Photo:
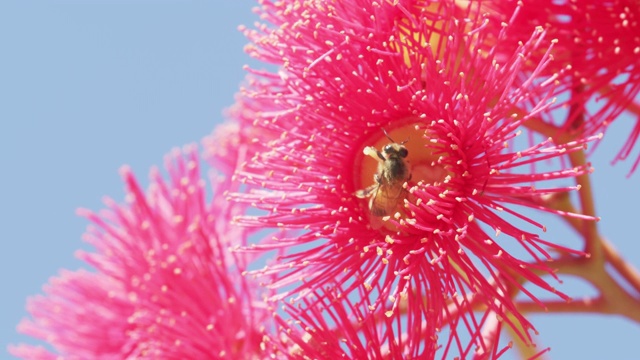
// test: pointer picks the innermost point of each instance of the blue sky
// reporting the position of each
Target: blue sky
(88, 86)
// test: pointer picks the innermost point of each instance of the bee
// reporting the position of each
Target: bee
(393, 171)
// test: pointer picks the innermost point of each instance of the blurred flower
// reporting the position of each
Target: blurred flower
(596, 56)
(82, 315)
(422, 71)
(166, 285)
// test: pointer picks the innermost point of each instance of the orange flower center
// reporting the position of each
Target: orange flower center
(385, 192)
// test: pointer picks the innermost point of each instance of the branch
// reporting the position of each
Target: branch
(626, 270)
(585, 305)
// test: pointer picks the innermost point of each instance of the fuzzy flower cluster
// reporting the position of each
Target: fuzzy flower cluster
(166, 286)
(439, 82)
(385, 160)
(595, 58)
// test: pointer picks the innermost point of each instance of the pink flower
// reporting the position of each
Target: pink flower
(166, 285)
(596, 55)
(325, 324)
(425, 74)
(82, 314)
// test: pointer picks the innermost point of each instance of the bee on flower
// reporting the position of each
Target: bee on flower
(390, 179)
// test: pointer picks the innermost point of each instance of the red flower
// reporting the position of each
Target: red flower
(350, 70)
(596, 57)
(167, 285)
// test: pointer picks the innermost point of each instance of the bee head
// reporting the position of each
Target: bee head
(395, 150)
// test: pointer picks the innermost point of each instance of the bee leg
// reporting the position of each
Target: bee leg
(374, 153)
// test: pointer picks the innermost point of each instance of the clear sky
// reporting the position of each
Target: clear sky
(87, 86)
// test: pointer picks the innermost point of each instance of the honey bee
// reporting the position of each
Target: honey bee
(393, 171)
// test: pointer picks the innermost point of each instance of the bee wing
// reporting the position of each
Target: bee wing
(365, 193)
(385, 200)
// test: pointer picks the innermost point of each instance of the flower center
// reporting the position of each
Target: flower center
(384, 176)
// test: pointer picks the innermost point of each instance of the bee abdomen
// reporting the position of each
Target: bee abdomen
(378, 211)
